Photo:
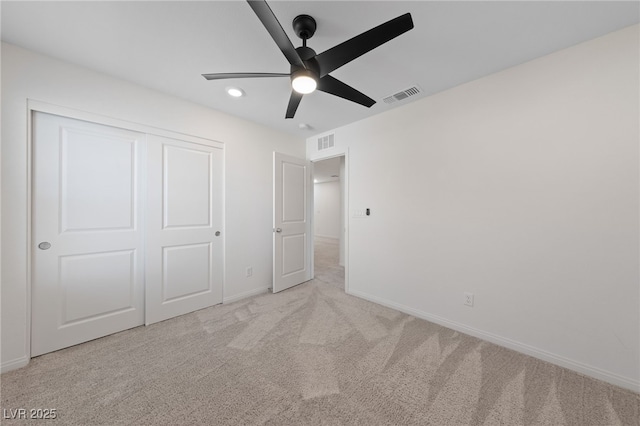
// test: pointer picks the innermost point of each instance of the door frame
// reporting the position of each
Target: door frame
(34, 106)
(319, 156)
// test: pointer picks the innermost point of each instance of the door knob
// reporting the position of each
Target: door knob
(44, 245)
(278, 230)
(217, 233)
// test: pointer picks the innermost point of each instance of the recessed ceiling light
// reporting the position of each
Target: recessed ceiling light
(304, 126)
(235, 92)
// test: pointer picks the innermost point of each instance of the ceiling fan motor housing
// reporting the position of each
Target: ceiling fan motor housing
(308, 56)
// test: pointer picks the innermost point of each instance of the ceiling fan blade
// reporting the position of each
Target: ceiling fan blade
(221, 76)
(351, 49)
(294, 101)
(335, 87)
(271, 23)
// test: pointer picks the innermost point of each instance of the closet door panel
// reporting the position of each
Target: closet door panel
(87, 236)
(184, 260)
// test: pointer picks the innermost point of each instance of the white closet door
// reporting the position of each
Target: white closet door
(184, 259)
(87, 233)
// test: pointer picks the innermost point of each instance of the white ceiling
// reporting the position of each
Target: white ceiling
(166, 46)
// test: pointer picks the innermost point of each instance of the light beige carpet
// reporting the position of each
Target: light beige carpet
(310, 355)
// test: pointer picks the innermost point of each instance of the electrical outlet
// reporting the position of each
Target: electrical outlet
(249, 271)
(468, 299)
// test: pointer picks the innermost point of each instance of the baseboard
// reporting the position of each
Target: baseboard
(244, 295)
(587, 370)
(14, 364)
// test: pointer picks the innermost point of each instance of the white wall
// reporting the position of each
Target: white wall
(248, 171)
(522, 188)
(326, 200)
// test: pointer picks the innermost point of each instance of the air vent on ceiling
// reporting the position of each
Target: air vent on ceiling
(402, 95)
(326, 142)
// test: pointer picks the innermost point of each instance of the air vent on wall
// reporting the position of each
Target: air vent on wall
(326, 142)
(402, 95)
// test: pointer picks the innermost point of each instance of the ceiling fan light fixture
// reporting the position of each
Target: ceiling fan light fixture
(311, 71)
(304, 82)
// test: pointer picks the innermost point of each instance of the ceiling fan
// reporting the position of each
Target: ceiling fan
(310, 71)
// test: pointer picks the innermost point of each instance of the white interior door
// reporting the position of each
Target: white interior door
(184, 269)
(292, 192)
(87, 232)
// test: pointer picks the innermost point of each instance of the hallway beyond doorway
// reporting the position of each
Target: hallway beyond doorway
(326, 257)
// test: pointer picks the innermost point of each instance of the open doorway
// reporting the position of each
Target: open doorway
(329, 221)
